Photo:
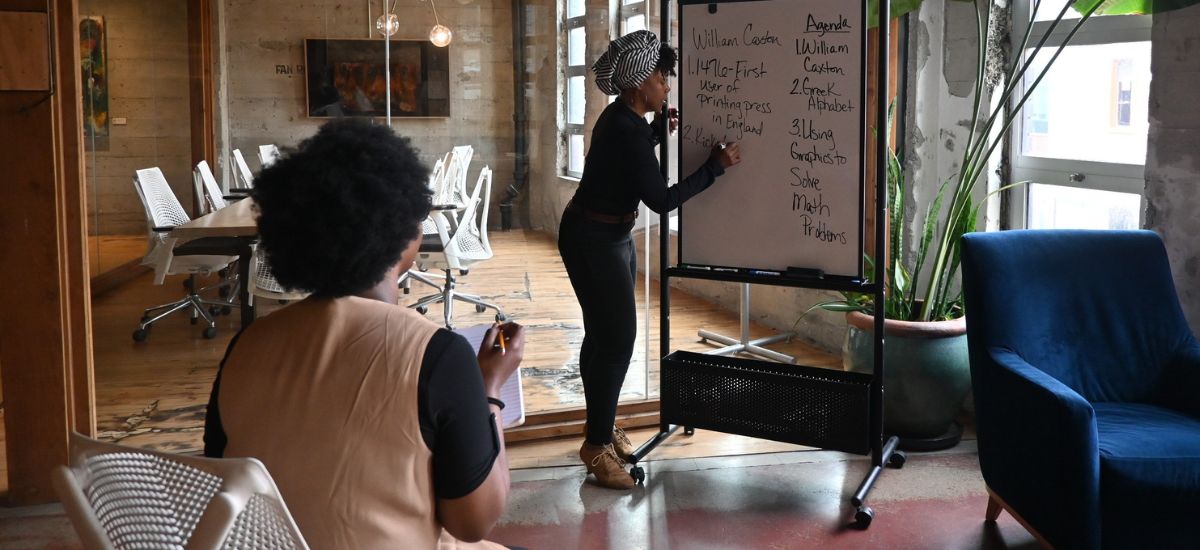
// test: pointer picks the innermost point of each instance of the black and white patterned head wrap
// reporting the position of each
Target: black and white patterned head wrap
(628, 62)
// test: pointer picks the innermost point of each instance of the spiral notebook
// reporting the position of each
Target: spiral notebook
(511, 393)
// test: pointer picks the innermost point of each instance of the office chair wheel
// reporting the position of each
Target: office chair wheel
(194, 320)
(214, 310)
(638, 474)
(897, 459)
(210, 333)
(223, 292)
(863, 517)
(479, 308)
(140, 335)
(422, 310)
(226, 310)
(500, 317)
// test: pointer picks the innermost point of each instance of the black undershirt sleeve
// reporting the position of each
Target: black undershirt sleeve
(456, 423)
(214, 433)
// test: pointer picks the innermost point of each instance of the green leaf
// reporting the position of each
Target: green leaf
(1131, 7)
(897, 7)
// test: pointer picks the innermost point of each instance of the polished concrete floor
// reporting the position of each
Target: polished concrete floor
(779, 500)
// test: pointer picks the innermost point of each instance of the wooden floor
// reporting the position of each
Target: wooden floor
(153, 394)
(106, 252)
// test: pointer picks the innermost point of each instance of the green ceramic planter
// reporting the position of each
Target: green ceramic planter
(926, 371)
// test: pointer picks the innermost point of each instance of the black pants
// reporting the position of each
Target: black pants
(601, 264)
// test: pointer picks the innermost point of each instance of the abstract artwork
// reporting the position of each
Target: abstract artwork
(347, 78)
(94, 61)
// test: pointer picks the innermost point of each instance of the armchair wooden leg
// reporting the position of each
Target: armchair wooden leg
(994, 508)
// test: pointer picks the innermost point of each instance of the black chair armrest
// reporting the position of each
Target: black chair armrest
(164, 229)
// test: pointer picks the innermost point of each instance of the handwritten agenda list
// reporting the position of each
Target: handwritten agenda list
(784, 79)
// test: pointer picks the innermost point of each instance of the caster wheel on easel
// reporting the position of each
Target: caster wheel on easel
(689, 431)
(863, 517)
(638, 474)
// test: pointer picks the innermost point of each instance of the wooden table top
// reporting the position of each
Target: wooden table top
(235, 220)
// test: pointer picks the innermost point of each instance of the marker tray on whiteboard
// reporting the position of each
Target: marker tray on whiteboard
(790, 403)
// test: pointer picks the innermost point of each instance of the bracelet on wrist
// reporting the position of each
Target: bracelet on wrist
(496, 402)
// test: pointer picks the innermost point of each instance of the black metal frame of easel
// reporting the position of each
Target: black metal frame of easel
(883, 453)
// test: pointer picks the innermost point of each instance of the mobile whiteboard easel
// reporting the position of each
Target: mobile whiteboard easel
(758, 64)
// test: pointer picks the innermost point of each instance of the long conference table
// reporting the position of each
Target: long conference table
(235, 221)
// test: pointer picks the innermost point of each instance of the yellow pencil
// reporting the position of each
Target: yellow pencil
(500, 338)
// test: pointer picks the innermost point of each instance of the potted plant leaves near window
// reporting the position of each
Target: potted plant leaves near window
(927, 375)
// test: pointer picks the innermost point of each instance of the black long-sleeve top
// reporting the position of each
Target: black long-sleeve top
(621, 168)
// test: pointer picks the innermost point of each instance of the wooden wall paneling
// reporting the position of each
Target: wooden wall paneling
(42, 267)
(200, 63)
(21, 33)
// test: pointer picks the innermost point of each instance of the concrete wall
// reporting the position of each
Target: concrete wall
(147, 86)
(260, 66)
(1173, 152)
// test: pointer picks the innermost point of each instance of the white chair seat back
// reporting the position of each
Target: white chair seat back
(241, 170)
(267, 154)
(214, 197)
(120, 497)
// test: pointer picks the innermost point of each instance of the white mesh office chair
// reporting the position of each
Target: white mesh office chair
(241, 171)
(463, 243)
(169, 257)
(126, 498)
(267, 155)
(453, 188)
(262, 282)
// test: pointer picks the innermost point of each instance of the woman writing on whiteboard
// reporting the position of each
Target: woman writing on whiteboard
(594, 240)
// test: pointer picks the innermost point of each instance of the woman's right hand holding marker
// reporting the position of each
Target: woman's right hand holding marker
(728, 154)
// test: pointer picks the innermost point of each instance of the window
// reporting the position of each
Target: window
(1081, 137)
(574, 77)
(1122, 92)
(633, 16)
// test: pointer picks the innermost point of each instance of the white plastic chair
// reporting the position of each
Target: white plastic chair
(126, 498)
(267, 154)
(262, 282)
(463, 244)
(169, 257)
(241, 171)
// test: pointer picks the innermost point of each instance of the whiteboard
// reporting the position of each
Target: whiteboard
(784, 79)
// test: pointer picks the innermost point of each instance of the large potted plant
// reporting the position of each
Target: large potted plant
(927, 375)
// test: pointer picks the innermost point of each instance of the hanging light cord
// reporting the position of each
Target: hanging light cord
(435, 15)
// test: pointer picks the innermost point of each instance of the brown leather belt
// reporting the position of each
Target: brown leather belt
(601, 217)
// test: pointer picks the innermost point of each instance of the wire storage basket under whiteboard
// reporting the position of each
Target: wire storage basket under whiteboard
(790, 403)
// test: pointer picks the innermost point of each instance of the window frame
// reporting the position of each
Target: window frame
(1104, 176)
(569, 129)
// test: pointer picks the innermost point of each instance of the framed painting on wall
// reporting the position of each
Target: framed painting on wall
(94, 63)
(346, 78)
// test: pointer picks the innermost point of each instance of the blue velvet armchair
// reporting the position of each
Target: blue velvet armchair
(1087, 387)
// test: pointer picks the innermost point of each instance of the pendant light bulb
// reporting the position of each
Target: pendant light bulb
(387, 24)
(440, 35)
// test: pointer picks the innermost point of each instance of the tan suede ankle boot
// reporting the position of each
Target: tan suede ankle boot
(622, 445)
(620, 442)
(609, 469)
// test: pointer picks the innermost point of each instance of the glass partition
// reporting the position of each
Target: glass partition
(500, 98)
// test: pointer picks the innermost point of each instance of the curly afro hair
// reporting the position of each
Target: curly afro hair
(667, 57)
(337, 212)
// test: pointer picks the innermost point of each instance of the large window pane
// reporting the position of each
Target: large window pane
(575, 153)
(1059, 207)
(1092, 105)
(576, 42)
(575, 100)
(635, 23)
(574, 8)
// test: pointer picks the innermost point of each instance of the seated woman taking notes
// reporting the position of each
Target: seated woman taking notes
(379, 427)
